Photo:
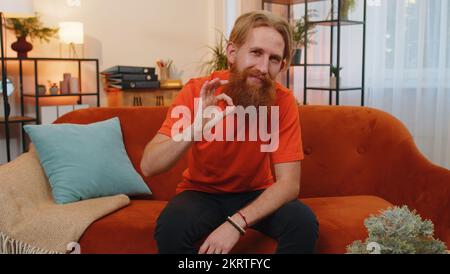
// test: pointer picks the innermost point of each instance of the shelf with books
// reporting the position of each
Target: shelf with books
(130, 77)
(161, 97)
(129, 70)
(138, 86)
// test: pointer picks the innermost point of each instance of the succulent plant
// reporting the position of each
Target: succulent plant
(398, 230)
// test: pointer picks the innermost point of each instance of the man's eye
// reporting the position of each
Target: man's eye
(256, 53)
(275, 60)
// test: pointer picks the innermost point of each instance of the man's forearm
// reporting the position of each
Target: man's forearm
(159, 156)
(269, 201)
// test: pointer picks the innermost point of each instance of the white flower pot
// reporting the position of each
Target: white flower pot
(333, 82)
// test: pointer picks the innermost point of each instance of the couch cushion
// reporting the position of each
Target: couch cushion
(86, 161)
(341, 220)
(130, 230)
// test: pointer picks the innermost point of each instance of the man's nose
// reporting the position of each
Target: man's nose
(263, 65)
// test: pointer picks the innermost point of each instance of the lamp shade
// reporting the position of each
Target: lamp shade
(16, 8)
(71, 32)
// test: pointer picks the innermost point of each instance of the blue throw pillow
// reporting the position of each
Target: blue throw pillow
(85, 161)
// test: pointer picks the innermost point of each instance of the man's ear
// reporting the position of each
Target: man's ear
(283, 65)
(231, 53)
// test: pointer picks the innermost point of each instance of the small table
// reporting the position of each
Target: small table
(161, 97)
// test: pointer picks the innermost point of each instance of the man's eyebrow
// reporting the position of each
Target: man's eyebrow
(278, 57)
(256, 48)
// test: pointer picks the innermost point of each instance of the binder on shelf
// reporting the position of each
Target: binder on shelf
(132, 77)
(135, 84)
(129, 70)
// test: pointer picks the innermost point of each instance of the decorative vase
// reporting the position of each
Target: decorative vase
(297, 58)
(22, 47)
(74, 85)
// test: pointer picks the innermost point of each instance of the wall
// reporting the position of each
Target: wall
(250, 5)
(137, 32)
(133, 32)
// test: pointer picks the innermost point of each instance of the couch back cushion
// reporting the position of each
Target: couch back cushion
(345, 147)
(348, 150)
(139, 125)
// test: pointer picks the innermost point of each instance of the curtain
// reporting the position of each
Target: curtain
(407, 65)
(408, 69)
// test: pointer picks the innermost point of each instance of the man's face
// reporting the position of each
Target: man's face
(262, 53)
(254, 67)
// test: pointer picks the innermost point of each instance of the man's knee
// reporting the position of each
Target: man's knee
(300, 231)
(302, 219)
(171, 233)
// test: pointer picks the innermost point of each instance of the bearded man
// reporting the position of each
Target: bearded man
(228, 186)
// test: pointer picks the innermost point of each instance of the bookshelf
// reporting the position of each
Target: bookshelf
(36, 98)
(336, 25)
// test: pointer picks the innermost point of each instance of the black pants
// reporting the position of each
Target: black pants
(192, 215)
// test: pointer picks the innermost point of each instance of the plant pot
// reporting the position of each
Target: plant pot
(297, 58)
(344, 8)
(344, 15)
(333, 82)
(54, 90)
(22, 47)
(42, 90)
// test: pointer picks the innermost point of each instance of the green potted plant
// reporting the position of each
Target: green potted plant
(302, 32)
(218, 57)
(345, 7)
(398, 230)
(28, 27)
(334, 74)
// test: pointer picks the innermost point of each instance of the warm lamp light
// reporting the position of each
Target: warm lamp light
(71, 33)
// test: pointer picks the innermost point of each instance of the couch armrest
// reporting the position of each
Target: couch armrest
(414, 181)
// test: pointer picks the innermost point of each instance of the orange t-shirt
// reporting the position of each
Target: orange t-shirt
(236, 166)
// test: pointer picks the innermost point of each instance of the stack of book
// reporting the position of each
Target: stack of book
(129, 77)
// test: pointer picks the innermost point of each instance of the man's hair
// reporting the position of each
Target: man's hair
(261, 18)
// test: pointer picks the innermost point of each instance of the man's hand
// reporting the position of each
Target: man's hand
(221, 240)
(208, 98)
(162, 152)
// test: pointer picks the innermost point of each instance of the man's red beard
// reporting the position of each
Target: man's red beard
(244, 94)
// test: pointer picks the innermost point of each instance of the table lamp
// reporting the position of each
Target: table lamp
(71, 33)
(10, 9)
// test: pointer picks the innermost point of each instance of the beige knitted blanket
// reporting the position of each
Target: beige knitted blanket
(31, 222)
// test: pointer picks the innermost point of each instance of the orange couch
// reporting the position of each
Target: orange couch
(357, 161)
